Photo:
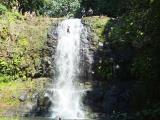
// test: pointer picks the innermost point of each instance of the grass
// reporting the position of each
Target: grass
(9, 118)
(11, 91)
(97, 24)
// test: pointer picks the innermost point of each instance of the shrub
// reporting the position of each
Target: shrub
(4, 78)
(3, 9)
(60, 8)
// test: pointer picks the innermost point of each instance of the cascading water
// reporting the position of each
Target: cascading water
(67, 94)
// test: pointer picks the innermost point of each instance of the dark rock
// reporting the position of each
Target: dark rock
(95, 96)
(118, 98)
(42, 107)
(47, 54)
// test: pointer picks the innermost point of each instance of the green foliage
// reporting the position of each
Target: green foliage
(13, 16)
(4, 78)
(3, 9)
(9, 118)
(139, 29)
(18, 37)
(11, 68)
(97, 25)
(151, 113)
(24, 5)
(23, 42)
(107, 7)
(30, 5)
(9, 3)
(103, 69)
(141, 65)
(4, 33)
(52, 8)
(130, 31)
(60, 8)
(119, 116)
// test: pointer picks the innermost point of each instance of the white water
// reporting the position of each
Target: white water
(67, 94)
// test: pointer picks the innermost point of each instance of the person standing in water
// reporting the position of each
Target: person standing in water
(58, 118)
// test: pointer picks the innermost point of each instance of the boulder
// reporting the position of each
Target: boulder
(23, 97)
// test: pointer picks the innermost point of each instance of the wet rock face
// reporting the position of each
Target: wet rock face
(116, 95)
(118, 98)
(47, 67)
(112, 98)
(94, 99)
(47, 54)
(41, 108)
(86, 54)
(90, 42)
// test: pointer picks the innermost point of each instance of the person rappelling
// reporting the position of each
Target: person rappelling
(68, 31)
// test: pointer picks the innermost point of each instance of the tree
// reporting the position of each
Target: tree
(8, 3)
(61, 7)
(111, 8)
(30, 5)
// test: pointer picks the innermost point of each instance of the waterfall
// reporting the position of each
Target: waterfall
(67, 93)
